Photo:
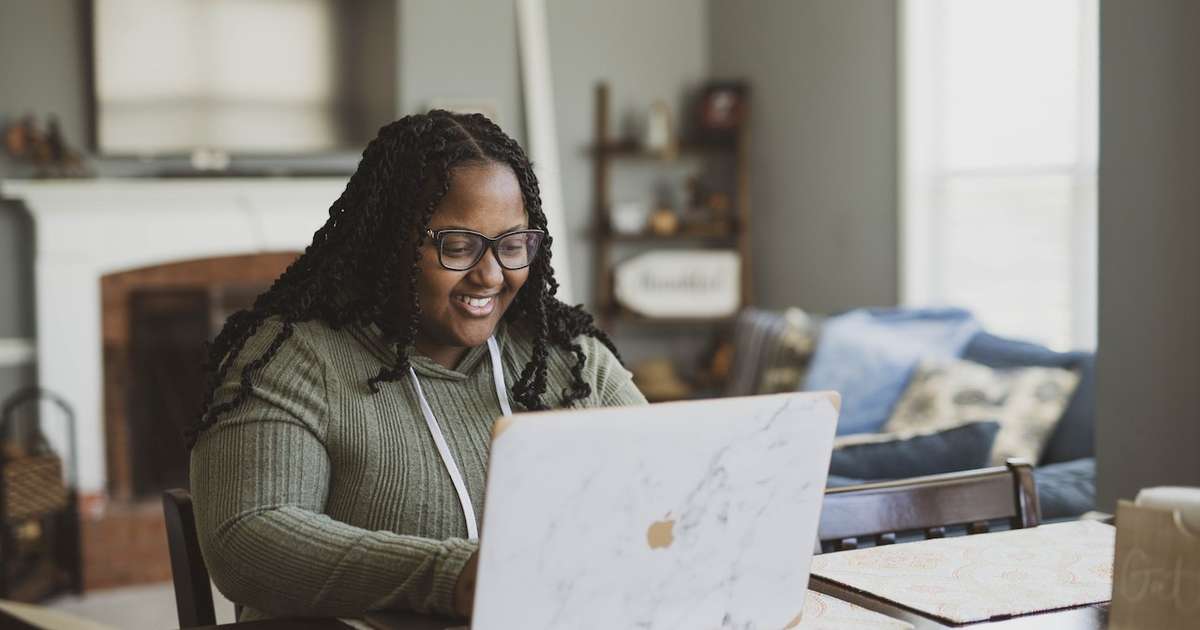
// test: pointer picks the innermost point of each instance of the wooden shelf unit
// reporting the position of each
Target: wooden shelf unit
(604, 151)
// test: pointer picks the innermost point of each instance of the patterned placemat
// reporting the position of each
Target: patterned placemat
(826, 612)
(975, 578)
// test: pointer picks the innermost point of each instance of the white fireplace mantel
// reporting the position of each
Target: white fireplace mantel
(84, 229)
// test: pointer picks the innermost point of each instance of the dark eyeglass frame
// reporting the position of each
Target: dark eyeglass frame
(489, 243)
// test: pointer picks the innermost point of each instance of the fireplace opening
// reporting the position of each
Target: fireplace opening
(156, 320)
(167, 329)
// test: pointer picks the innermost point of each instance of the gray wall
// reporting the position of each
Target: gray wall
(824, 74)
(1149, 358)
(823, 156)
(464, 50)
(448, 49)
(42, 71)
(645, 51)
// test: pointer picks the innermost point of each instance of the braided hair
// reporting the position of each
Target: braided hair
(363, 264)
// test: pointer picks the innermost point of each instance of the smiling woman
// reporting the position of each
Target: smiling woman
(467, 292)
(345, 436)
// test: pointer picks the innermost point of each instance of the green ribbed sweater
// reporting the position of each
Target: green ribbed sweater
(316, 498)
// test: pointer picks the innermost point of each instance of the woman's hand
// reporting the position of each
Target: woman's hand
(464, 590)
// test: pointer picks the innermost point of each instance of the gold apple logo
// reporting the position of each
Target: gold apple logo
(661, 533)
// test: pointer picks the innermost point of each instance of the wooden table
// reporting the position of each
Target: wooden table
(322, 623)
(1094, 617)
(405, 620)
(1091, 617)
(10, 621)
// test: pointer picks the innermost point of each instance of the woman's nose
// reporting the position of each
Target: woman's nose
(488, 272)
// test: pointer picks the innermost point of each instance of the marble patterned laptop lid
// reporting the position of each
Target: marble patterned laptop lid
(697, 514)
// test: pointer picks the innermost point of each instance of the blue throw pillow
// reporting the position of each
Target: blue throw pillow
(1075, 436)
(963, 447)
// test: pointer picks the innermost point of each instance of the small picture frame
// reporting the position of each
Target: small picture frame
(722, 108)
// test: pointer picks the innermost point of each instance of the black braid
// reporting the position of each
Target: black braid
(363, 264)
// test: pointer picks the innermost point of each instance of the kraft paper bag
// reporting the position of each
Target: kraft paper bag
(1156, 572)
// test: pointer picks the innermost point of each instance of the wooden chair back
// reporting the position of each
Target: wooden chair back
(879, 511)
(193, 591)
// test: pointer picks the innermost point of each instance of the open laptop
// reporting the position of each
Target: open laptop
(698, 514)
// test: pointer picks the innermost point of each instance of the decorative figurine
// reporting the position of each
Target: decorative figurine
(47, 152)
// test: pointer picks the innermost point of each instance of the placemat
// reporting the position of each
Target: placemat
(826, 612)
(975, 578)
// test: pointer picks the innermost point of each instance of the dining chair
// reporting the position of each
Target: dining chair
(193, 591)
(878, 511)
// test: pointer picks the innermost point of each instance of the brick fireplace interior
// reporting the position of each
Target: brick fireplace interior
(154, 322)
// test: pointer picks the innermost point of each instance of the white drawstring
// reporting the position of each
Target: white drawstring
(498, 376)
(460, 486)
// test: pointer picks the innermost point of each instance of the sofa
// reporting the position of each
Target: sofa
(773, 352)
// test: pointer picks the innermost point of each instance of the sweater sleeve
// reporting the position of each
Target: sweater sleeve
(260, 479)
(612, 384)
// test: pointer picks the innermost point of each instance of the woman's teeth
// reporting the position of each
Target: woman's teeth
(473, 301)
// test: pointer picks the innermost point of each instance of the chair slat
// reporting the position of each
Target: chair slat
(193, 591)
(978, 527)
(930, 504)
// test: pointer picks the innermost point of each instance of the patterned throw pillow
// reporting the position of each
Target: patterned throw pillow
(1027, 402)
(786, 357)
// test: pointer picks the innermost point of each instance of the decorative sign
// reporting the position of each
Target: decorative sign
(680, 283)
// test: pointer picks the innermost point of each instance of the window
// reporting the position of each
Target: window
(999, 132)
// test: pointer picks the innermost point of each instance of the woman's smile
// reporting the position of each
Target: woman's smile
(475, 305)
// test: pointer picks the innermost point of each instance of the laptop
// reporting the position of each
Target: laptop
(696, 514)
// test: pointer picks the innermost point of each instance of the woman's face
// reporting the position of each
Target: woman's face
(460, 309)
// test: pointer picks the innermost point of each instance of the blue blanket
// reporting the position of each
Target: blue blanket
(868, 355)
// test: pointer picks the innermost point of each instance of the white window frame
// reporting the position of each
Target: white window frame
(918, 197)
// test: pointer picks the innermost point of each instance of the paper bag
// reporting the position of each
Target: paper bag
(1156, 572)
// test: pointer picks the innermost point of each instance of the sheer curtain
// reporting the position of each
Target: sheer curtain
(999, 130)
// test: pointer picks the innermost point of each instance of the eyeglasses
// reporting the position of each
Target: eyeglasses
(460, 250)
